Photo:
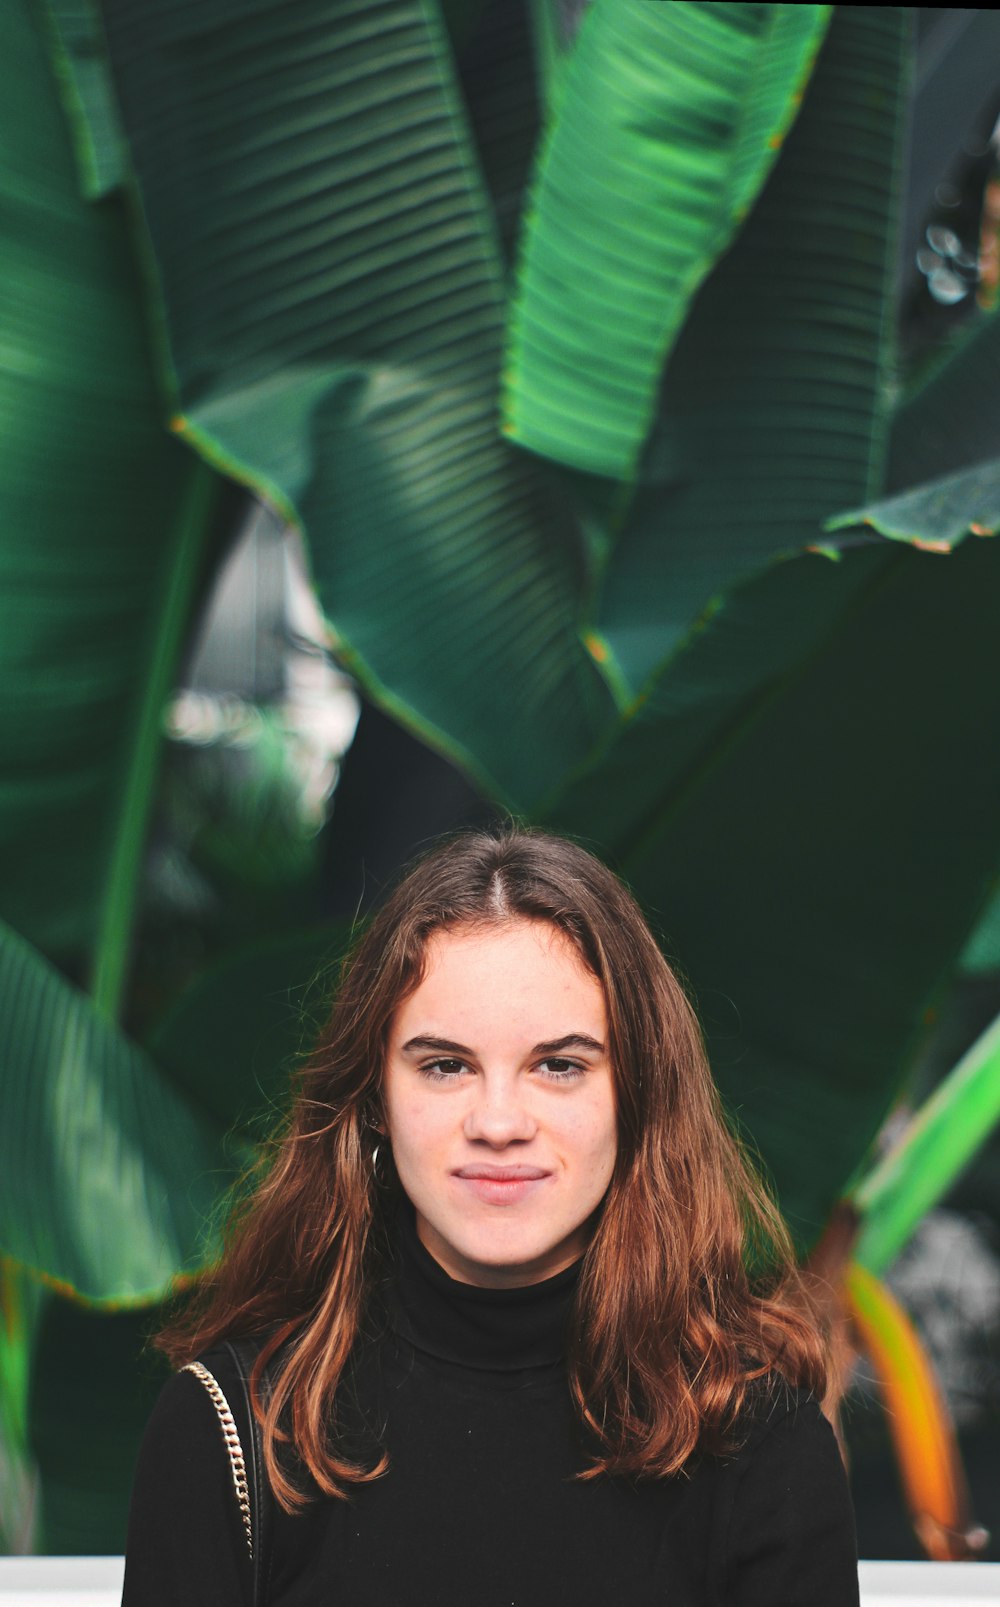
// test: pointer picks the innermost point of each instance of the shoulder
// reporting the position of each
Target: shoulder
(187, 1534)
(774, 1407)
(783, 1438)
(187, 1423)
(790, 1521)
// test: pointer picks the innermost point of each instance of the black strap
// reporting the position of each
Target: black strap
(244, 1353)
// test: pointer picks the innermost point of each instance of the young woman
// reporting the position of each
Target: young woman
(529, 1327)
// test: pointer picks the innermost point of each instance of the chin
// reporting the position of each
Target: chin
(501, 1252)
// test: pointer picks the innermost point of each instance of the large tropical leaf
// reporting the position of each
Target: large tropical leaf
(928, 1157)
(332, 296)
(671, 117)
(92, 492)
(108, 1177)
(774, 403)
(820, 865)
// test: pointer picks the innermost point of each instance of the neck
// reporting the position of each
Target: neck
(492, 1328)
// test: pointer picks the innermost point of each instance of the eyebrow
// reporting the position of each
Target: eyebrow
(553, 1046)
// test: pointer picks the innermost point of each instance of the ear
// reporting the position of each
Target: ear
(376, 1123)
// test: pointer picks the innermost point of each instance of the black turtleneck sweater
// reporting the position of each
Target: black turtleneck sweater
(467, 1390)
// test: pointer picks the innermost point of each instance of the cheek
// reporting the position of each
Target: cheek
(412, 1120)
(593, 1134)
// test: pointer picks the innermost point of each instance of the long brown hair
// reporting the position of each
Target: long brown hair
(688, 1289)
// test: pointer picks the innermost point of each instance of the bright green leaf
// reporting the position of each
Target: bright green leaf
(669, 120)
(930, 1154)
(773, 409)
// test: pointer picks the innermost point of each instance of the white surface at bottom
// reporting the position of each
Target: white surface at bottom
(929, 1584)
(61, 1581)
(97, 1582)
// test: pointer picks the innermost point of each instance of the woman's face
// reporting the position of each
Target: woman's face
(499, 1102)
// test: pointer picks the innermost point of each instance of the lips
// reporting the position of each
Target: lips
(501, 1174)
(500, 1185)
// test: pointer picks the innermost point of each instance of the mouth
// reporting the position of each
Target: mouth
(501, 1174)
(500, 1185)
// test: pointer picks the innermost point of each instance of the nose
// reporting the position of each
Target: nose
(498, 1114)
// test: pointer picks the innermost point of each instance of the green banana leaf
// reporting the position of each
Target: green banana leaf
(108, 1177)
(937, 1145)
(92, 491)
(332, 293)
(774, 403)
(821, 867)
(671, 117)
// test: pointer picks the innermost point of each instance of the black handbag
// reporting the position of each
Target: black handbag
(250, 1483)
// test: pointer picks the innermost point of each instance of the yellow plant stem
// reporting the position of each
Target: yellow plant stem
(922, 1431)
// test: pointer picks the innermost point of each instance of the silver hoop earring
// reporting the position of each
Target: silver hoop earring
(375, 1170)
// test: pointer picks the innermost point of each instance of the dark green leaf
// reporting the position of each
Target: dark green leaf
(231, 1037)
(817, 855)
(332, 291)
(94, 1386)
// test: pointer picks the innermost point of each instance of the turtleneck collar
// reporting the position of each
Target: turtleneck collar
(492, 1330)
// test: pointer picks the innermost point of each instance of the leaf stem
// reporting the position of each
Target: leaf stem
(117, 915)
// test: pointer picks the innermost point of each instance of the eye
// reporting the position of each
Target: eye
(557, 1069)
(444, 1070)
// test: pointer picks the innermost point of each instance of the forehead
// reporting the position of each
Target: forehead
(515, 974)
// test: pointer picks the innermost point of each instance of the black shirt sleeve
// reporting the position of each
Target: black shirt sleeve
(791, 1536)
(186, 1544)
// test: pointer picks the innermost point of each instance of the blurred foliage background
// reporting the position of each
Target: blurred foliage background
(415, 411)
